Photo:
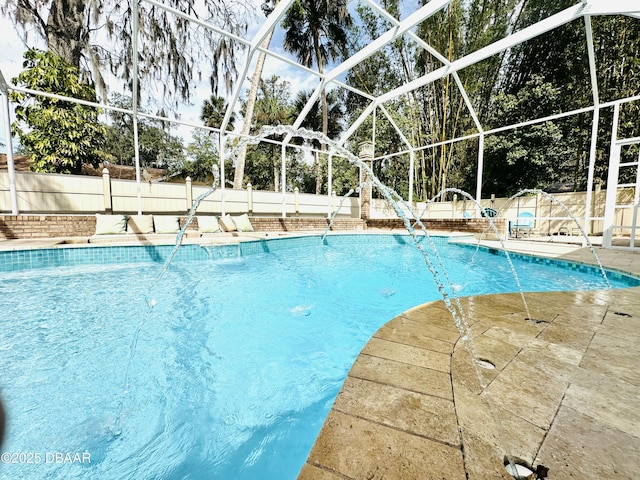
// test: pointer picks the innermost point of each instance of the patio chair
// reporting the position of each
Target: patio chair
(523, 224)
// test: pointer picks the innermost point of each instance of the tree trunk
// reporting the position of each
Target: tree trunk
(66, 31)
(325, 117)
(238, 176)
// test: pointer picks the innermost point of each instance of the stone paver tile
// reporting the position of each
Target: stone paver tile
(360, 449)
(441, 327)
(529, 393)
(418, 334)
(483, 460)
(597, 300)
(579, 447)
(493, 348)
(402, 375)
(520, 339)
(424, 415)
(475, 330)
(619, 325)
(312, 472)
(434, 313)
(615, 356)
(544, 306)
(555, 360)
(516, 324)
(468, 375)
(610, 402)
(480, 417)
(627, 298)
(407, 354)
(504, 307)
(569, 331)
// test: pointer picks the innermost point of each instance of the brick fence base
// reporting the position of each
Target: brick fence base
(470, 225)
(52, 226)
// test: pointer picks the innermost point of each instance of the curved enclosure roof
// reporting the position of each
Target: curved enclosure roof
(405, 27)
(399, 27)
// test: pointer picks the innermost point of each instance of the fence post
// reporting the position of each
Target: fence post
(249, 198)
(189, 193)
(454, 204)
(106, 190)
(593, 208)
(296, 200)
(366, 155)
(334, 204)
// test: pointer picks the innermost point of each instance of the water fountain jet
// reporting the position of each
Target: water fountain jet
(583, 234)
(393, 198)
(498, 236)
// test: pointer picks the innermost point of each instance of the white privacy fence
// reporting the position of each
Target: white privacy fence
(76, 194)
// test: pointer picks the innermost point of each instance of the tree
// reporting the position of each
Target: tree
(202, 156)
(343, 177)
(529, 157)
(267, 8)
(272, 107)
(170, 49)
(213, 111)
(157, 147)
(59, 135)
(386, 69)
(316, 31)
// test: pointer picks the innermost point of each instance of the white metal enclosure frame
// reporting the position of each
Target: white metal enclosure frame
(616, 205)
(583, 9)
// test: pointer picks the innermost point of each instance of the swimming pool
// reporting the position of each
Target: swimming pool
(236, 365)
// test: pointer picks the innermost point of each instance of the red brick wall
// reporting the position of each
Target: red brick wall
(471, 225)
(48, 226)
(296, 224)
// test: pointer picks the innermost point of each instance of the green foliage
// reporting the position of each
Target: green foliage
(545, 75)
(272, 107)
(317, 31)
(157, 147)
(346, 176)
(60, 136)
(529, 157)
(313, 120)
(202, 157)
(97, 37)
(213, 111)
(343, 176)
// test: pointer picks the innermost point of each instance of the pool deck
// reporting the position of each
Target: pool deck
(563, 398)
(564, 394)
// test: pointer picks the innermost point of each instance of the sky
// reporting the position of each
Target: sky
(12, 48)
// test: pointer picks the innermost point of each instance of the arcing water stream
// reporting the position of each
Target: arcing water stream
(430, 255)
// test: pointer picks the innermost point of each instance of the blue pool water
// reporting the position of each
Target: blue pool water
(235, 367)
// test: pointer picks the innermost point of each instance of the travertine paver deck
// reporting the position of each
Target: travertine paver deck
(564, 394)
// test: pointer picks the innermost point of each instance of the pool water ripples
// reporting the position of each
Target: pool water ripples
(236, 366)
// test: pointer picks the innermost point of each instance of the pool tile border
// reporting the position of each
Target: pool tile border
(612, 274)
(69, 255)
